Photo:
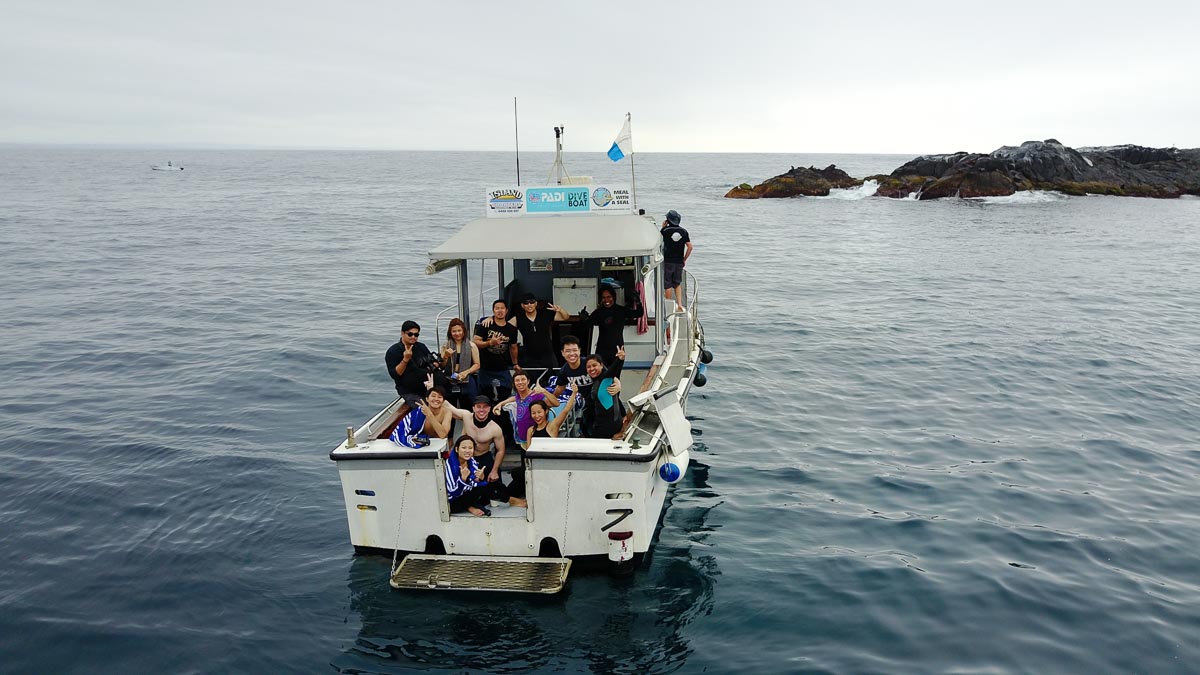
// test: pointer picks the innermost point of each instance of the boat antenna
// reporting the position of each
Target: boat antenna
(517, 141)
(558, 170)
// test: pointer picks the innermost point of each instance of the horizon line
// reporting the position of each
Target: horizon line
(336, 148)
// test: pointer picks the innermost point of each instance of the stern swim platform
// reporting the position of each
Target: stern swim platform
(475, 573)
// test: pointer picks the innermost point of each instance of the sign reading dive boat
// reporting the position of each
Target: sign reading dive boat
(505, 202)
(557, 200)
(577, 199)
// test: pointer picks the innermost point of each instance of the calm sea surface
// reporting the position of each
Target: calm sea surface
(948, 436)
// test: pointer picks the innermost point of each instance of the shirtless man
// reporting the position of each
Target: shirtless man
(478, 424)
(438, 416)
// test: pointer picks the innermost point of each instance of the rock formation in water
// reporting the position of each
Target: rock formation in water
(1123, 170)
(799, 182)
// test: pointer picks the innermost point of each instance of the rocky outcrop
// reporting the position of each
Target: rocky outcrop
(1127, 170)
(799, 182)
(1123, 170)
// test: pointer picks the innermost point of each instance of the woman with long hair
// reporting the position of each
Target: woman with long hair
(543, 426)
(604, 412)
(460, 357)
(467, 486)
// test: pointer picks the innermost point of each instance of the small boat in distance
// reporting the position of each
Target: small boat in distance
(168, 167)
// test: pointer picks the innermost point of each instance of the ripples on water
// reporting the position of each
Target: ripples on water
(937, 436)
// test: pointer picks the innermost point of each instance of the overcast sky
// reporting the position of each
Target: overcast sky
(697, 76)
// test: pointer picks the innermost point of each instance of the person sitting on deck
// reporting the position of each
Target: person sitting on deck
(604, 416)
(543, 426)
(431, 418)
(479, 425)
(609, 321)
(467, 486)
(523, 396)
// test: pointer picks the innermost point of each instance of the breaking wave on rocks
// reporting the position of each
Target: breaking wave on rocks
(1025, 197)
(867, 189)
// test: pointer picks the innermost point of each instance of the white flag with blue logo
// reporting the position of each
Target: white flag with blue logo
(623, 145)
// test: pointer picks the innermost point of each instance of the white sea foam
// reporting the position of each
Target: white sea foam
(1024, 197)
(863, 191)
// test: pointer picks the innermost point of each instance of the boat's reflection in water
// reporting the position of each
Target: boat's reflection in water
(597, 623)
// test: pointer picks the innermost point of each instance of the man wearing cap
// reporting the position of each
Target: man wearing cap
(677, 246)
(478, 424)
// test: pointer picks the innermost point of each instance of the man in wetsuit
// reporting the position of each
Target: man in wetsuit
(609, 320)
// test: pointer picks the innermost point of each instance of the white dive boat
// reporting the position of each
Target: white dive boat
(167, 167)
(587, 497)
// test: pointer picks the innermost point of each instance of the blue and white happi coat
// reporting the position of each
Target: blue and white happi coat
(409, 428)
(455, 485)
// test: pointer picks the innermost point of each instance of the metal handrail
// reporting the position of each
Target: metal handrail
(437, 321)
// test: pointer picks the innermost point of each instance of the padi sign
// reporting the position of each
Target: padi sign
(558, 199)
(575, 199)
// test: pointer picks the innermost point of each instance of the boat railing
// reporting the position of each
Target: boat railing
(437, 321)
(677, 358)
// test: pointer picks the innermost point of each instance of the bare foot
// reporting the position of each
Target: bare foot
(517, 501)
(474, 511)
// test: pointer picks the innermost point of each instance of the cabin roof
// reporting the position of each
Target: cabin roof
(560, 236)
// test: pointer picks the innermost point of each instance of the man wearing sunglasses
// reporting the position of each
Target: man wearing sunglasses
(408, 362)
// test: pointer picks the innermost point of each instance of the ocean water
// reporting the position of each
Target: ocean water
(945, 436)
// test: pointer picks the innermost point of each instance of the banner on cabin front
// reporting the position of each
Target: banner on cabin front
(579, 199)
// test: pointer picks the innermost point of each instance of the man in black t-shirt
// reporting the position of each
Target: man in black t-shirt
(408, 363)
(536, 326)
(609, 320)
(677, 246)
(497, 344)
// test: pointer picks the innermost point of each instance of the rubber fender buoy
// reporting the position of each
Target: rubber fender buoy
(700, 380)
(670, 472)
(705, 356)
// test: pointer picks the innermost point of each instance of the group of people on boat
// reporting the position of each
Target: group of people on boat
(438, 388)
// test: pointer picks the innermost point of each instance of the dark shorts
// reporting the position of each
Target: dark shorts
(673, 274)
(486, 462)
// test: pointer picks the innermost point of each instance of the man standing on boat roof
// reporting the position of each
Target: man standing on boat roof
(677, 246)
(409, 362)
(497, 344)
